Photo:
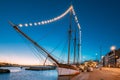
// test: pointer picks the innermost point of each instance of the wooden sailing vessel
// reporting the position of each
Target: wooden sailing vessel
(63, 69)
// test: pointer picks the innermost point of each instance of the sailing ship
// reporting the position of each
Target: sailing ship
(62, 68)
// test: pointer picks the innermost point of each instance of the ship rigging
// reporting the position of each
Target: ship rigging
(63, 68)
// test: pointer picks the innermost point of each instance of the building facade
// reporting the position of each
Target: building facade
(112, 59)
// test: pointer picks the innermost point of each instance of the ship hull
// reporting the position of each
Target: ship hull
(67, 72)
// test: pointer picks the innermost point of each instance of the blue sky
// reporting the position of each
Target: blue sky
(99, 20)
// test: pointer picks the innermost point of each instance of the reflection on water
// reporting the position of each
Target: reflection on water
(21, 74)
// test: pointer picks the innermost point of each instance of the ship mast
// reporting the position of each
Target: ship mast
(69, 36)
(74, 60)
(79, 48)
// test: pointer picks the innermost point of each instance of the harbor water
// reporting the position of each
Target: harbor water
(18, 73)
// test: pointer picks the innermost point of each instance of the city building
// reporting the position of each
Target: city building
(112, 59)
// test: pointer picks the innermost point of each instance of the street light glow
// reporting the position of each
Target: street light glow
(102, 57)
(113, 48)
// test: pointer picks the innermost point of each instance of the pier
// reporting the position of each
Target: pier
(4, 71)
(41, 68)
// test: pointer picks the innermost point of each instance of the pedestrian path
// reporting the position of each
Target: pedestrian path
(97, 74)
(116, 70)
(82, 76)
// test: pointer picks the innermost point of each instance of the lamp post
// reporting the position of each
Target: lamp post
(113, 49)
(96, 57)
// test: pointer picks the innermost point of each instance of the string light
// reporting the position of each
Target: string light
(76, 19)
(42, 22)
(48, 21)
(35, 24)
(39, 23)
(20, 25)
(30, 24)
(73, 11)
(54, 19)
(26, 25)
(78, 25)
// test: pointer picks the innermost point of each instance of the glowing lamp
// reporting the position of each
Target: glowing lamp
(26, 25)
(112, 48)
(20, 25)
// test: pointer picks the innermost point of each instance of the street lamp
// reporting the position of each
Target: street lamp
(96, 57)
(113, 49)
(102, 57)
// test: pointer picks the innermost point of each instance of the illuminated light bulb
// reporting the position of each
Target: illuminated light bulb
(78, 25)
(70, 8)
(59, 17)
(35, 24)
(42, 22)
(30, 24)
(73, 12)
(39, 23)
(113, 48)
(45, 22)
(76, 18)
(62, 15)
(51, 20)
(20, 25)
(26, 25)
(55, 19)
(48, 21)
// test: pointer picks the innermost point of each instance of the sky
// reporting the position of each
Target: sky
(99, 21)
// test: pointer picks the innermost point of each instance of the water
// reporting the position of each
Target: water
(21, 74)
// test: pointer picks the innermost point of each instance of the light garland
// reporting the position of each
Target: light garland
(53, 19)
(47, 21)
(76, 19)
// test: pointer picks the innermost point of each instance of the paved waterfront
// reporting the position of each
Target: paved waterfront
(104, 74)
